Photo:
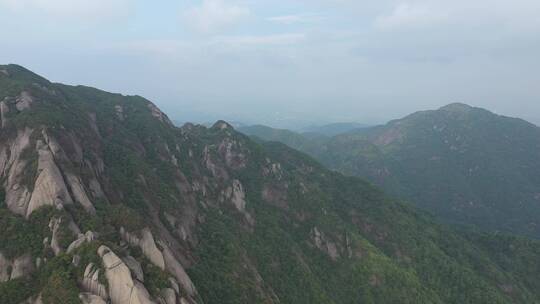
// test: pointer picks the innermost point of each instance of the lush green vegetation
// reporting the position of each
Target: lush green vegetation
(18, 290)
(306, 235)
(18, 236)
(155, 279)
(398, 255)
(463, 164)
(58, 281)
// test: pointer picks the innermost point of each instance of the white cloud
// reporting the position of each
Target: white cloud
(422, 14)
(191, 50)
(262, 40)
(85, 9)
(407, 15)
(214, 15)
(297, 18)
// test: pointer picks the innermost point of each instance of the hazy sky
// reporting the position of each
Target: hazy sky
(279, 62)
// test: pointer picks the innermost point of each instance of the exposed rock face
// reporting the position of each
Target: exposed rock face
(156, 112)
(4, 109)
(13, 168)
(183, 301)
(231, 151)
(238, 196)
(24, 101)
(173, 266)
(119, 112)
(50, 188)
(79, 194)
(5, 268)
(87, 237)
(174, 285)
(91, 282)
(324, 244)
(54, 225)
(16, 268)
(88, 298)
(142, 294)
(135, 267)
(122, 288)
(147, 244)
(168, 295)
(22, 266)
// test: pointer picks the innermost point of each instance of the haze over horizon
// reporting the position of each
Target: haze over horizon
(286, 63)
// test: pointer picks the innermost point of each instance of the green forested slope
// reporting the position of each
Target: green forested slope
(465, 165)
(250, 222)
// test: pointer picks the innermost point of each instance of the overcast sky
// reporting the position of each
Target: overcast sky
(282, 62)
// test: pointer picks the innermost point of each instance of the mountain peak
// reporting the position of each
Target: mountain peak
(20, 73)
(457, 107)
(222, 125)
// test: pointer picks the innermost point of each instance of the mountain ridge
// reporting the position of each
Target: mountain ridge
(434, 155)
(103, 199)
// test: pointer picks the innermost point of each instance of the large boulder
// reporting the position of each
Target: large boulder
(122, 288)
(91, 284)
(88, 298)
(147, 244)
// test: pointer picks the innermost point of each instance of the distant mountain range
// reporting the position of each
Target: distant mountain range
(312, 130)
(464, 164)
(334, 128)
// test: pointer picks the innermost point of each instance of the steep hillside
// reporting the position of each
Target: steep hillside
(306, 142)
(463, 164)
(104, 200)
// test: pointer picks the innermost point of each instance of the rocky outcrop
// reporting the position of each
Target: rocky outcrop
(147, 244)
(231, 151)
(177, 270)
(24, 101)
(83, 238)
(49, 188)
(4, 109)
(168, 296)
(54, 225)
(22, 266)
(119, 112)
(13, 168)
(15, 268)
(5, 268)
(324, 244)
(142, 294)
(88, 298)
(135, 267)
(156, 112)
(91, 284)
(238, 196)
(79, 194)
(122, 288)
(174, 285)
